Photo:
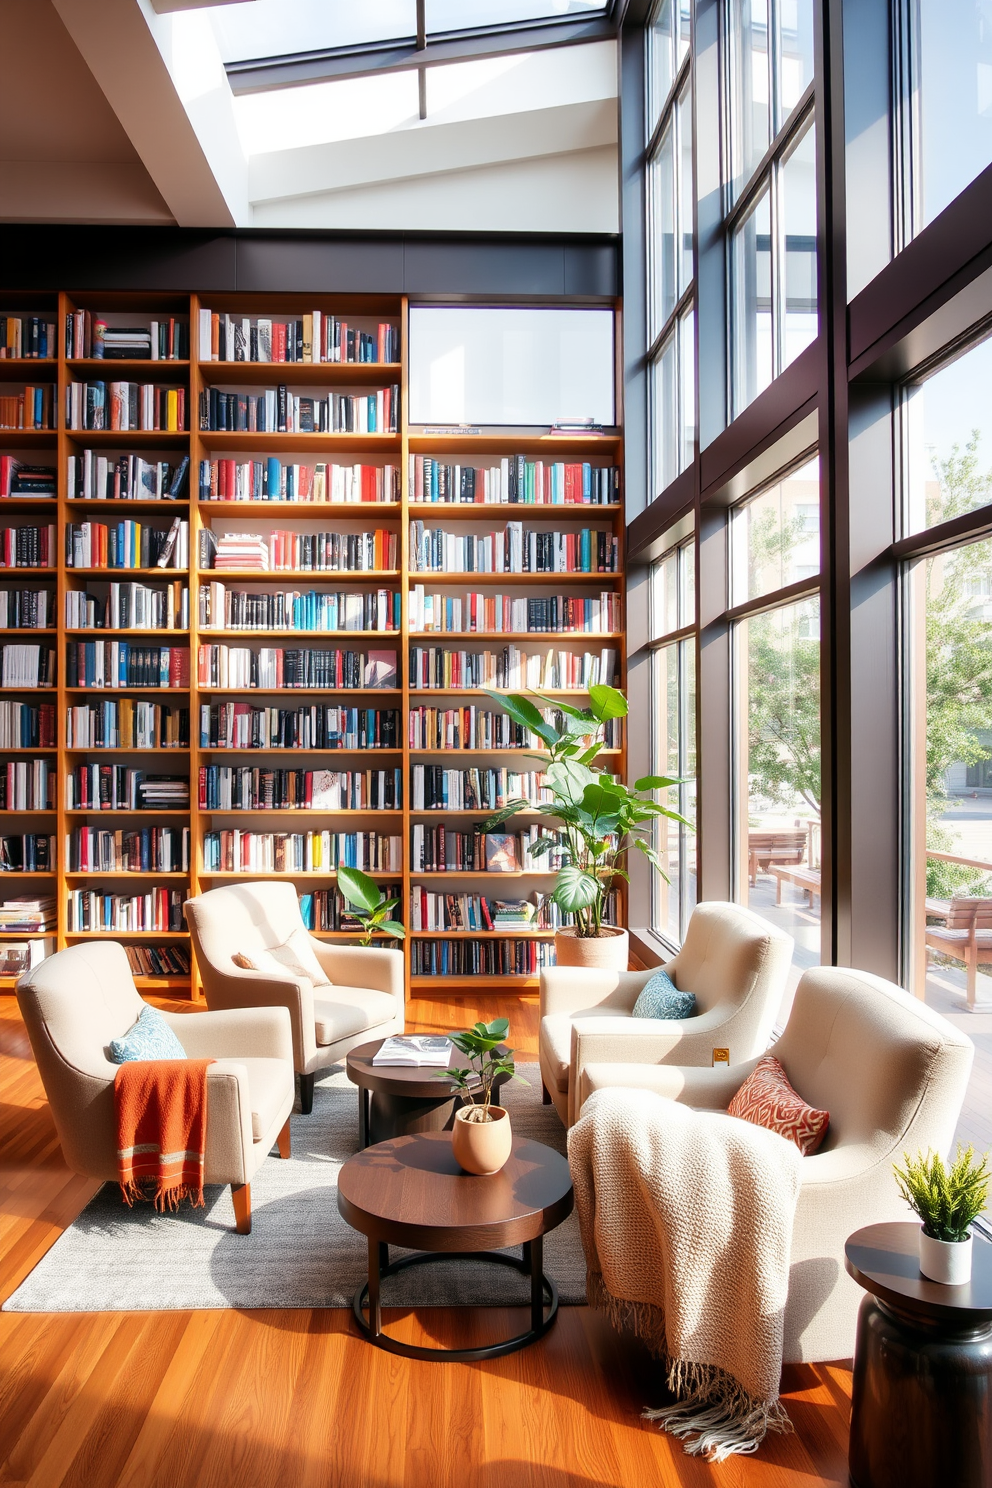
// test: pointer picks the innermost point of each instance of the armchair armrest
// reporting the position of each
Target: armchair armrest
(238, 1033)
(572, 989)
(375, 967)
(705, 1089)
(241, 988)
(229, 1156)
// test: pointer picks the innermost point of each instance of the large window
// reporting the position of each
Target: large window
(673, 734)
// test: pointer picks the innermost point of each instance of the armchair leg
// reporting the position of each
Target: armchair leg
(241, 1194)
(283, 1140)
(545, 1097)
(306, 1093)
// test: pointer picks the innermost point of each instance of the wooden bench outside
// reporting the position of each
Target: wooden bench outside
(807, 879)
(965, 935)
(766, 848)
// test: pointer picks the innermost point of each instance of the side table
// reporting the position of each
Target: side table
(922, 1392)
(397, 1099)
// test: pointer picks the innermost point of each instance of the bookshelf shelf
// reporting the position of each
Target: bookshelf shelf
(201, 710)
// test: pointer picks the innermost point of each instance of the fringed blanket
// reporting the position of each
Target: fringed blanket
(686, 1220)
(161, 1111)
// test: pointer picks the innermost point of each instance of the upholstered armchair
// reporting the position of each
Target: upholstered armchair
(76, 1001)
(893, 1075)
(735, 963)
(360, 997)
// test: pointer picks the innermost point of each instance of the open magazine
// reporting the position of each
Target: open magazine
(428, 1050)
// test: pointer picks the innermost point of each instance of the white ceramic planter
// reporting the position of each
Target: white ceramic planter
(946, 1261)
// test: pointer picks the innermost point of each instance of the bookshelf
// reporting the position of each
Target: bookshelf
(198, 662)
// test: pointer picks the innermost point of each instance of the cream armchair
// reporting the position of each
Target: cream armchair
(735, 963)
(365, 1000)
(74, 1003)
(893, 1075)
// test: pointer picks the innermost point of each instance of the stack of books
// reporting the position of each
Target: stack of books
(121, 342)
(513, 914)
(163, 793)
(247, 550)
(27, 915)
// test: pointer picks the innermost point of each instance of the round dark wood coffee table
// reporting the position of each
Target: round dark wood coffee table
(922, 1393)
(411, 1192)
(395, 1100)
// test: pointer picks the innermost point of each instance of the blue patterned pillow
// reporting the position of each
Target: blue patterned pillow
(149, 1038)
(660, 998)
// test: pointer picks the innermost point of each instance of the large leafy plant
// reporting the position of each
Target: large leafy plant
(599, 820)
(369, 904)
(948, 1199)
(481, 1046)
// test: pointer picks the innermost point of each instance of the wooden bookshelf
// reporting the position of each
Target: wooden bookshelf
(195, 375)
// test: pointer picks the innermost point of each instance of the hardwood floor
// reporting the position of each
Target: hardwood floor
(296, 1400)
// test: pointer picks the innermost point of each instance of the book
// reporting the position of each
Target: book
(380, 669)
(501, 853)
(421, 1051)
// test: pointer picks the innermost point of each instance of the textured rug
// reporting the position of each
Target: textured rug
(300, 1252)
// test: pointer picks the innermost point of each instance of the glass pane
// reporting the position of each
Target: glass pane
(776, 536)
(665, 595)
(949, 437)
(795, 65)
(750, 112)
(687, 388)
(665, 761)
(687, 585)
(664, 421)
(685, 189)
(663, 235)
(752, 267)
(454, 15)
(799, 212)
(275, 28)
(954, 99)
(685, 28)
(687, 791)
(661, 68)
(779, 691)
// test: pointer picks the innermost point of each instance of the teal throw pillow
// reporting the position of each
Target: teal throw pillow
(149, 1038)
(660, 998)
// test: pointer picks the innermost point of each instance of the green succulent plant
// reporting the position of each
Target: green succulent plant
(481, 1044)
(947, 1199)
(369, 904)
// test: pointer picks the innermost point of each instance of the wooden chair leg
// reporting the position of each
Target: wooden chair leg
(971, 966)
(306, 1093)
(283, 1140)
(545, 1097)
(241, 1194)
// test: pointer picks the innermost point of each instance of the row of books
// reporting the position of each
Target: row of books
(27, 785)
(27, 852)
(441, 849)
(26, 726)
(127, 544)
(96, 787)
(129, 606)
(29, 336)
(19, 479)
(126, 723)
(436, 667)
(235, 851)
(251, 788)
(122, 664)
(278, 667)
(132, 850)
(271, 480)
(317, 610)
(464, 728)
(246, 726)
(281, 411)
(300, 552)
(515, 480)
(496, 957)
(28, 914)
(125, 406)
(89, 335)
(156, 908)
(514, 550)
(327, 909)
(434, 911)
(26, 609)
(96, 477)
(479, 788)
(28, 547)
(34, 408)
(157, 960)
(484, 614)
(314, 337)
(27, 666)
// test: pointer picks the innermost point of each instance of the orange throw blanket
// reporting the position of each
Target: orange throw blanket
(161, 1110)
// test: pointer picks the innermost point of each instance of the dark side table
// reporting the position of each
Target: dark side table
(395, 1100)
(922, 1394)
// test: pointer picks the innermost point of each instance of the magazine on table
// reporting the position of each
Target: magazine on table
(431, 1051)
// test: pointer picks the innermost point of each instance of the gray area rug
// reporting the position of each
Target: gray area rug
(300, 1252)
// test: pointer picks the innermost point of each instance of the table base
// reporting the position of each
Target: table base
(542, 1291)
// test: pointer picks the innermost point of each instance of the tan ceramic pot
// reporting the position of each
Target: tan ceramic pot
(607, 951)
(482, 1147)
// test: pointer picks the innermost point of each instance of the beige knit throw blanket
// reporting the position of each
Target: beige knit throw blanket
(686, 1220)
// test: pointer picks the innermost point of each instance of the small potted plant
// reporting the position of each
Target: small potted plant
(597, 818)
(368, 904)
(948, 1200)
(481, 1139)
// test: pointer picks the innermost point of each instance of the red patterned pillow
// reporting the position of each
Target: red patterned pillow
(767, 1099)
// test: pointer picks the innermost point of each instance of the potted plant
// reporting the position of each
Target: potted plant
(368, 904)
(481, 1138)
(598, 819)
(948, 1200)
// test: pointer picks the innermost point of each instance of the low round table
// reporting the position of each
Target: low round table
(395, 1100)
(411, 1192)
(922, 1392)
